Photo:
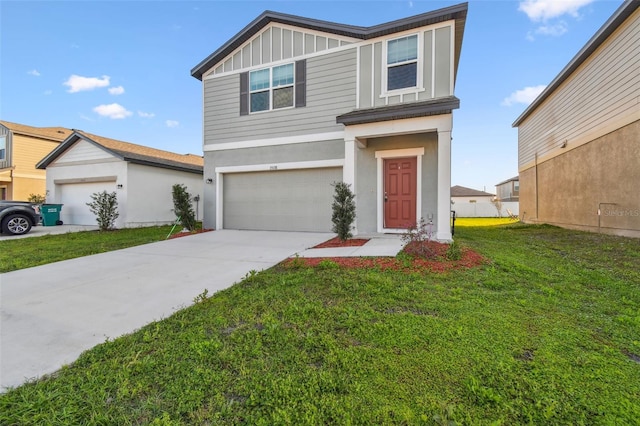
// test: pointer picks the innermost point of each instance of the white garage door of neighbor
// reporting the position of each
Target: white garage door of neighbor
(286, 200)
(75, 196)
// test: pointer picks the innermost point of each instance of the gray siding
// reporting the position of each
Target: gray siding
(366, 196)
(437, 72)
(331, 91)
(602, 90)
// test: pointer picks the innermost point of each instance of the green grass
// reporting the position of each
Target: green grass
(547, 333)
(28, 252)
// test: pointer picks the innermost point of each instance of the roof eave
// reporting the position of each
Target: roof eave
(457, 12)
(404, 111)
(618, 17)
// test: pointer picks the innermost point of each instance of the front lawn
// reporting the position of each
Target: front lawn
(547, 332)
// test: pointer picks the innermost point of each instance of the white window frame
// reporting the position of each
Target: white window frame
(419, 67)
(271, 88)
(3, 147)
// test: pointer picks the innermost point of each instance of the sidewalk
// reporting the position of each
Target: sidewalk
(379, 245)
(39, 230)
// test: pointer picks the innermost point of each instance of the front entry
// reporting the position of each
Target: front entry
(400, 193)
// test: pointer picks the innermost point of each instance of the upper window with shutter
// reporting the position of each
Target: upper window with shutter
(278, 87)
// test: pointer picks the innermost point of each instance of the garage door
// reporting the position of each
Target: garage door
(286, 200)
(75, 196)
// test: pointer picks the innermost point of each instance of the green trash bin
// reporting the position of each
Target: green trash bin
(51, 214)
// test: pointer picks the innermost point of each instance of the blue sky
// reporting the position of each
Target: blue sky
(121, 69)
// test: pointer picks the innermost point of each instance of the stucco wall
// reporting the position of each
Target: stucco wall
(571, 187)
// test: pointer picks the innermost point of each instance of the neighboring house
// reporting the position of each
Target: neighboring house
(461, 194)
(469, 202)
(293, 104)
(579, 141)
(509, 190)
(142, 178)
(21, 147)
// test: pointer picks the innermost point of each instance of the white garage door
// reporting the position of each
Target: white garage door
(75, 196)
(286, 200)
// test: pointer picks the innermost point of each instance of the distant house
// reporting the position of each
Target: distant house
(579, 141)
(461, 194)
(509, 190)
(142, 178)
(293, 104)
(21, 147)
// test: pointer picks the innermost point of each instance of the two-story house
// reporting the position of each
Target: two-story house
(292, 105)
(579, 140)
(508, 190)
(21, 147)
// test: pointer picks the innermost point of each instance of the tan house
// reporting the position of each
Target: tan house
(21, 147)
(579, 141)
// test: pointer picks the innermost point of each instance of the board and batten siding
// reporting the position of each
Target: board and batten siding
(277, 43)
(331, 91)
(604, 89)
(437, 70)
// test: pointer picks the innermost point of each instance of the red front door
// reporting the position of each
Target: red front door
(400, 183)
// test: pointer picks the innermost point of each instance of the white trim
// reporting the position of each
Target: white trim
(418, 153)
(286, 140)
(384, 92)
(433, 63)
(221, 171)
(281, 166)
(358, 64)
(452, 65)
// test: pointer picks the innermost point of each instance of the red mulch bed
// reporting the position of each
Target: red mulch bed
(337, 242)
(437, 263)
(184, 234)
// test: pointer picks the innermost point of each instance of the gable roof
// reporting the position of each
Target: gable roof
(130, 152)
(456, 12)
(461, 191)
(618, 17)
(51, 133)
(516, 178)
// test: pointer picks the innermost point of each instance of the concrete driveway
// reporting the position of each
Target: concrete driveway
(52, 313)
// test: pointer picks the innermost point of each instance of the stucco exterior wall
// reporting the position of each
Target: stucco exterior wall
(602, 174)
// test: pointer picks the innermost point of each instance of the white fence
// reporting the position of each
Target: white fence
(485, 209)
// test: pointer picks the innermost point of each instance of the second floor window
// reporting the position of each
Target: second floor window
(402, 63)
(3, 147)
(271, 88)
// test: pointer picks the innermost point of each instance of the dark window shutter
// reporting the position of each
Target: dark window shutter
(301, 83)
(244, 93)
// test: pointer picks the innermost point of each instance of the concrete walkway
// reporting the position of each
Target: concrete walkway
(50, 314)
(39, 230)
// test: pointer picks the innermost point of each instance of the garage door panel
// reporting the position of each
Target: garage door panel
(75, 196)
(286, 200)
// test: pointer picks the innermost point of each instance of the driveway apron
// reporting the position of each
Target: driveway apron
(52, 313)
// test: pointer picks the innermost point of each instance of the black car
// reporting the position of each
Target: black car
(17, 217)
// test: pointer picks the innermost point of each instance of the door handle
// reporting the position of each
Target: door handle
(385, 197)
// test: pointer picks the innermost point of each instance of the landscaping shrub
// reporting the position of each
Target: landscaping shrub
(182, 207)
(105, 207)
(344, 210)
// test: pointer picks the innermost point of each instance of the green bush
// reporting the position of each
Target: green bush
(182, 206)
(344, 210)
(36, 198)
(105, 207)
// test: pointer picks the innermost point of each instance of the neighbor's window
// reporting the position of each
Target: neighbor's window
(3, 147)
(271, 88)
(516, 186)
(402, 62)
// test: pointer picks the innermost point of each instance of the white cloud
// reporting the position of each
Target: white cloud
(523, 96)
(78, 83)
(172, 123)
(113, 111)
(116, 90)
(555, 30)
(146, 114)
(34, 73)
(542, 10)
